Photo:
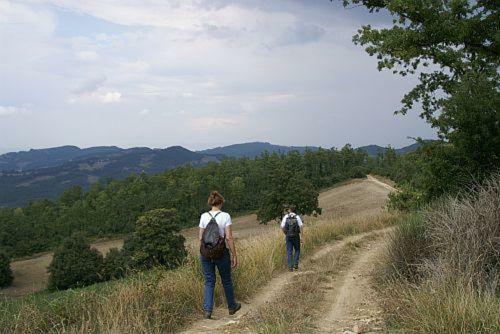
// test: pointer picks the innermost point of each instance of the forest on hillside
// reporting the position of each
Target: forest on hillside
(262, 184)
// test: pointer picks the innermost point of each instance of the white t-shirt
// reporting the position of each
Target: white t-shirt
(283, 222)
(223, 219)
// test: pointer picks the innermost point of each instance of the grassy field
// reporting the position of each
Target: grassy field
(350, 198)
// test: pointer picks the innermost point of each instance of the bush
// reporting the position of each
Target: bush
(75, 264)
(6, 276)
(453, 248)
(406, 200)
(407, 250)
(156, 241)
(465, 235)
(115, 264)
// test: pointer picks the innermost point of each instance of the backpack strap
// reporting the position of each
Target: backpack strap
(215, 214)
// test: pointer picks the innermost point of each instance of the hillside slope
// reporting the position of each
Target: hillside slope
(20, 187)
(352, 199)
(254, 149)
(373, 150)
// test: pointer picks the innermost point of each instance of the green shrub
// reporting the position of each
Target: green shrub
(156, 241)
(115, 264)
(408, 249)
(407, 199)
(75, 264)
(6, 276)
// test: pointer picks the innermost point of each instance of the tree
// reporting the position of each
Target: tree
(115, 264)
(6, 276)
(458, 36)
(75, 264)
(453, 45)
(288, 190)
(156, 241)
(237, 193)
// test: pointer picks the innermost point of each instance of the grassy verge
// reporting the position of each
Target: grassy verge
(441, 307)
(443, 267)
(163, 301)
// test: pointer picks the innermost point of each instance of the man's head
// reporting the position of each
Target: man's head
(291, 208)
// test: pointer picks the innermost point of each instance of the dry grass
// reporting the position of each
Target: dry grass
(442, 307)
(163, 301)
(454, 248)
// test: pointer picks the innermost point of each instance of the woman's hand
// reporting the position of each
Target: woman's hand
(234, 261)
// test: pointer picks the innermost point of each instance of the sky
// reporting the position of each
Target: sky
(196, 73)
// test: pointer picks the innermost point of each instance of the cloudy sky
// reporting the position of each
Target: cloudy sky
(197, 73)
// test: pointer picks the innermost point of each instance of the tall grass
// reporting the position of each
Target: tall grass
(443, 273)
(163, 301)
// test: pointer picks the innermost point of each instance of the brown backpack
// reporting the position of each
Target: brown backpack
(212, 243)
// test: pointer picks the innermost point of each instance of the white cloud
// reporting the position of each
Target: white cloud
(279, 97)
(144, 112)
(88, 85)
(88, 56)
(12, 110)
(212, 122)
(111, 97)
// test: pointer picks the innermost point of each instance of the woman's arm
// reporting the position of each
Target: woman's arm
(230, 243)
(200, 233)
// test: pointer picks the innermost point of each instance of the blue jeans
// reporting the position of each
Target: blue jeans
(224, 266)
(292, 243)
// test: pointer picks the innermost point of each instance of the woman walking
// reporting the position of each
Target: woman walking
(224, 262)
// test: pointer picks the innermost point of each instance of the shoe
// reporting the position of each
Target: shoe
(207, 315)
(290, 269)
(296, 267)
(235, 309)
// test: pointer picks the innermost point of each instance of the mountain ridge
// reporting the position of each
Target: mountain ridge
(36, 174)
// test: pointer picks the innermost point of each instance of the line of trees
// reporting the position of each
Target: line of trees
(112, 208)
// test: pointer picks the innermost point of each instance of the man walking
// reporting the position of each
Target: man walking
(292, 227)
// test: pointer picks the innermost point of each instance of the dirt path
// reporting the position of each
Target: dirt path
(223, 323)
(383, 184)
(351, 303)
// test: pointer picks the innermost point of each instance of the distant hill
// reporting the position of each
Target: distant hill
(45, 173)
(66, 166)
(50, 157)
(373, 150)
(254, 149)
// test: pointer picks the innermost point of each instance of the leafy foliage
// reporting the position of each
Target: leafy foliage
(6, 276)
(286, 190)
(75, 264)
(453, 47)
(115, 265)
(156, 241)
